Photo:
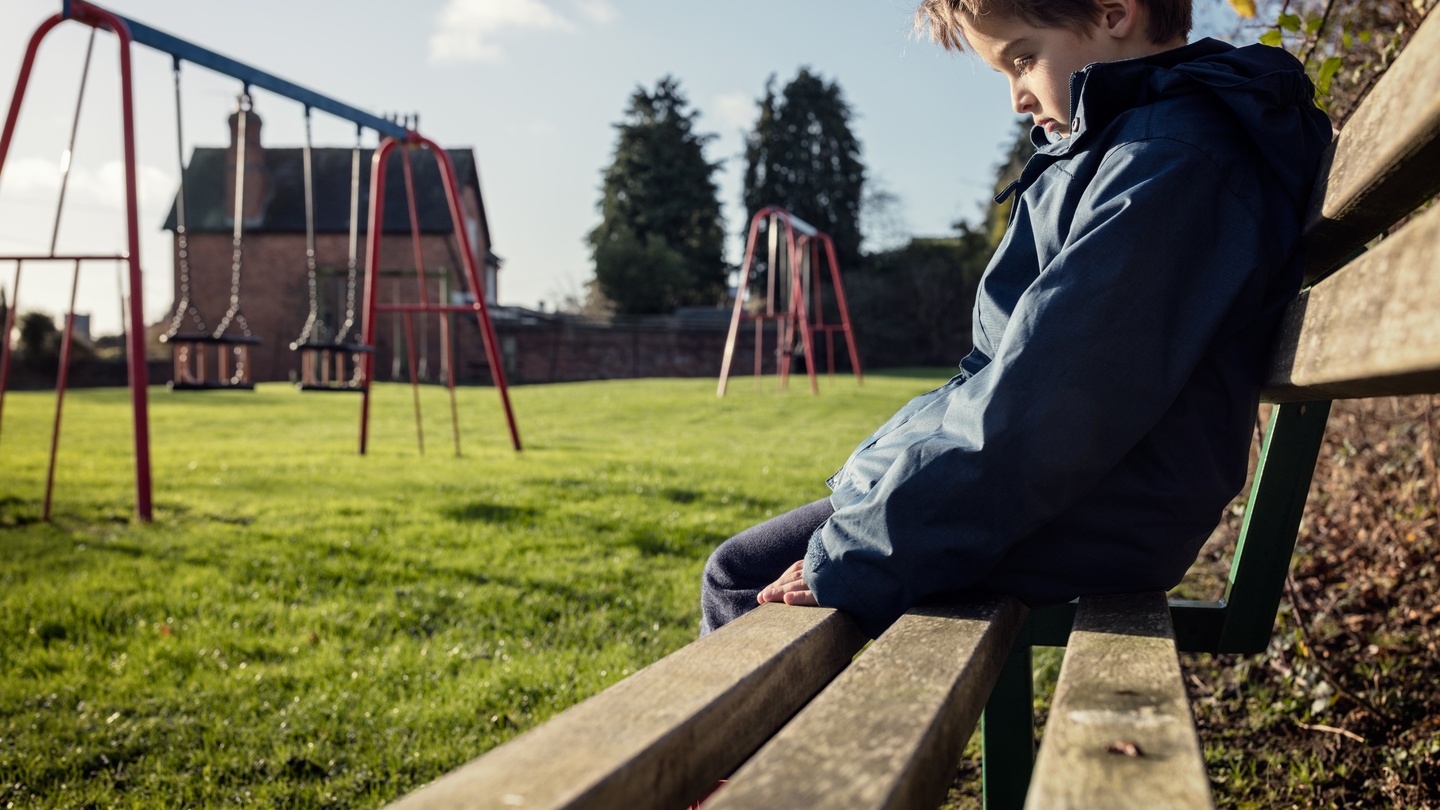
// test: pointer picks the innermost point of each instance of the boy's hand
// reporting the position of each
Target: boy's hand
(790, 588)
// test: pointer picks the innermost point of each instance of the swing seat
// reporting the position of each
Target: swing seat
(206, 337)
(319, 360)
(188, 377)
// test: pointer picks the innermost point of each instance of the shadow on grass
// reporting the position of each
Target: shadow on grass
(595, 489)
(651, 543)
(480, 512)
(18, 512)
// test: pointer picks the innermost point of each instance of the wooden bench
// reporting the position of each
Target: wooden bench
(780, 704)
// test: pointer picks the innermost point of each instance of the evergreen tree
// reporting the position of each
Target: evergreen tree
(660, 242)
(803, 157)
(39, 343)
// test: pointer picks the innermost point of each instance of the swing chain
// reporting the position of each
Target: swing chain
(314, 329)
(183, 305)
(354, 262)
(233, 315)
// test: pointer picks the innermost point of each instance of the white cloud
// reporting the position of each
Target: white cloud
(468, 29)
(38, 181)
(600, 11)
(30, 175)
(155, 186)
(735, 110)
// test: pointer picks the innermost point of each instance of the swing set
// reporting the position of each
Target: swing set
(796, 252)
(324, 355)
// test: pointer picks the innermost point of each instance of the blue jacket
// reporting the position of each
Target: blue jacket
(1103, 420)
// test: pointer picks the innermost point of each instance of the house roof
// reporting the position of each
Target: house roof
(283, 211)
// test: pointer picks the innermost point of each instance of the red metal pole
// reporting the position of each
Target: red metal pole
(449, 360)
(737, 313)
(802, 322)
(759, 342)
(415, 245)
(795, 318)
(372, 278)
(482, 312)
(62, 378)
(21, 82)
(414, 381)
(419, 252)
(5, 338)
(818, 306)
(844, 308)
(139, 377)
(783, 336)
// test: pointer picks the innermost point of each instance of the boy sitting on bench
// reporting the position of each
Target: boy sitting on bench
(1103, 420)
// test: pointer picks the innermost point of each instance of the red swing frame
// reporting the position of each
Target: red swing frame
(135, 332)
(804, 246)
(372, 306)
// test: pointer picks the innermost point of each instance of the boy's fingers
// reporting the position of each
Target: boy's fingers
(805, 598)
(792, 581)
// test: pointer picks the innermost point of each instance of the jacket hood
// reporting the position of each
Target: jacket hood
(1264, 87)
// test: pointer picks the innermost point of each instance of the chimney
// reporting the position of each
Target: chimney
(257, 172)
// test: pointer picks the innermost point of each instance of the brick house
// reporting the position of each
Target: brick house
(274, 288)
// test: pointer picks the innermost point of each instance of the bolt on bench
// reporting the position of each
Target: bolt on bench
(780, 703)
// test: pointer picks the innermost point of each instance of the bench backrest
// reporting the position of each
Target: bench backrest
(1367, 326)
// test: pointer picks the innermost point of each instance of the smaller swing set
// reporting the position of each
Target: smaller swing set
(330, 362)
(792, 275)
(423, 305)
(189, 348)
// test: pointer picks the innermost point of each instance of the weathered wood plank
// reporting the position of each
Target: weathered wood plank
(1120, 733)
(664, 735)
(889, 731)
(1386, 161)
(1373, 329)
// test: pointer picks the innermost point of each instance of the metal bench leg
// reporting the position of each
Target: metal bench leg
(1007, 732)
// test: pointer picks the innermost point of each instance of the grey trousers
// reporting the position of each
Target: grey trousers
(754, 558)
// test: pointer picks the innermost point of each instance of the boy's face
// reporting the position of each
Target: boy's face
(1038, 62)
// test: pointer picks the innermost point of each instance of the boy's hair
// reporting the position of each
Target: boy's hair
(944, 19)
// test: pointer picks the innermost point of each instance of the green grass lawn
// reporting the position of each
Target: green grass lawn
(305, 627)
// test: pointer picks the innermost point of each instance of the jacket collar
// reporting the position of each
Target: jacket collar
(1100, 92)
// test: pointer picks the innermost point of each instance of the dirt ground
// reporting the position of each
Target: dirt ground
(1343, 709)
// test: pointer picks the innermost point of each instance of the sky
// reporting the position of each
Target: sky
(535, 87)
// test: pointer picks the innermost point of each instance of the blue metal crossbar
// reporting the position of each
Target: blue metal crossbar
(253, 77)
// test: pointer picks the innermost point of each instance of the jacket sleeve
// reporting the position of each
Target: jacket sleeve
(1097, 349)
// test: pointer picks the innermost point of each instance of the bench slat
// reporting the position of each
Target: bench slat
(889, 731)
(1120, 734)
(1386, 160)
(664, 735)
(1373, 329)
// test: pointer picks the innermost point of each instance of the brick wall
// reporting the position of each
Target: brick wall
(559, 349)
